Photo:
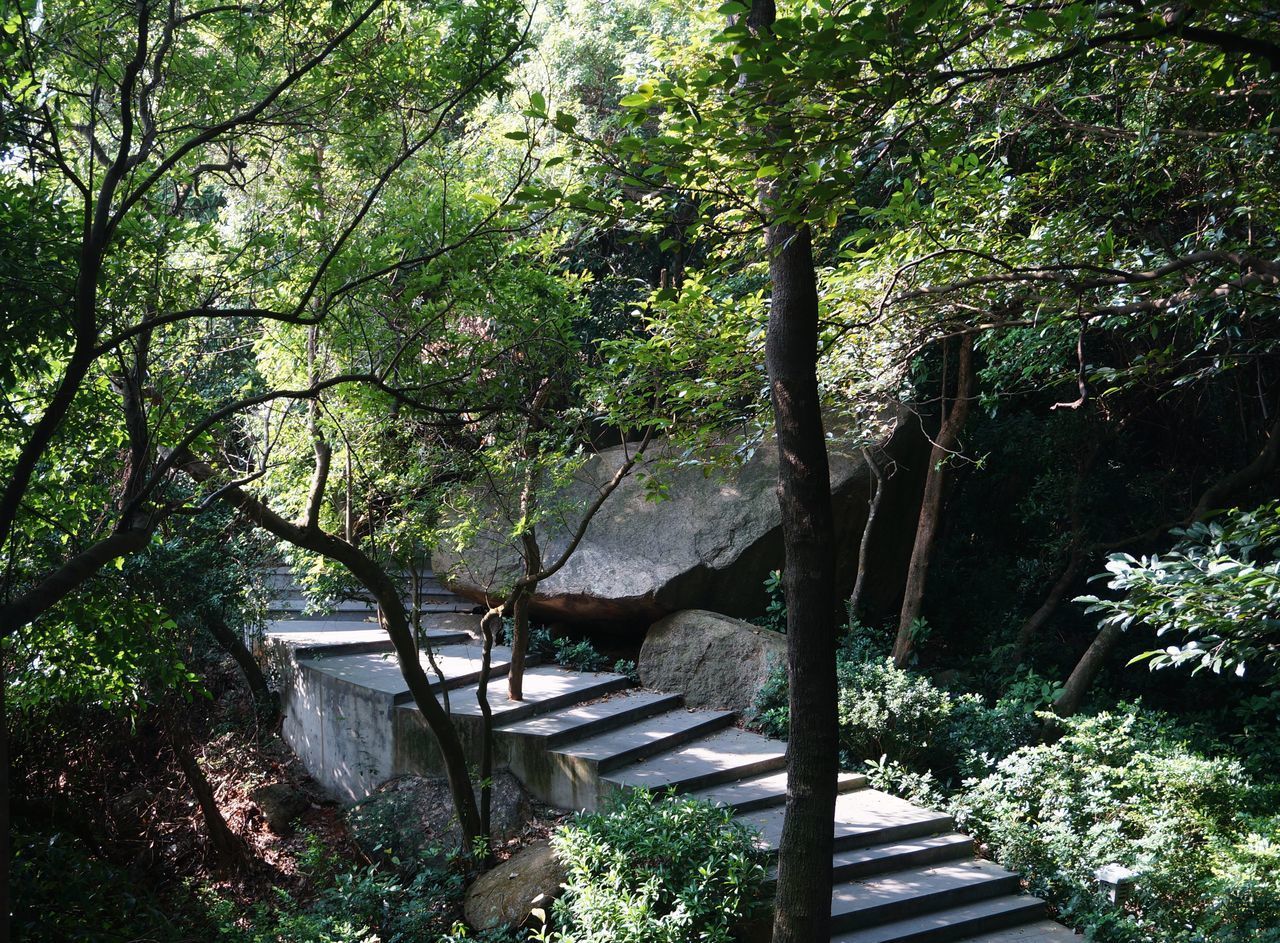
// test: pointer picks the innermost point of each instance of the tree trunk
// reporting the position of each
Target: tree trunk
(931, 503)
(487, 625)
(228, 849)
(386, 592)
(1086, 671)
(873, 508)
(267, 700)
(803, 898)
(519, 607)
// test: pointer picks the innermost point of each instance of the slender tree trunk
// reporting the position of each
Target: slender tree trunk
(873, 508)
(1086, 671)
(520, 601)
(386, 592)
(487, 626)
(230, 641)
(1028, 631)
(228, 849)
(931, 503)
(803, 900)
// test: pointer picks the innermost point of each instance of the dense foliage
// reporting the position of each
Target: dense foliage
(656, 870)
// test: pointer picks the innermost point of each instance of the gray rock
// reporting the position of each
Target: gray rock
(281, 804)
(710, 544)
(410, 820)
(713, 660)
(505, 896)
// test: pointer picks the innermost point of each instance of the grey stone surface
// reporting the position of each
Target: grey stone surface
(863, 817)
(710, 544)
(589, 719)
(280, 804)
(728, 754)
(904, 893)
(505, 895)
(713, 660)
(952, 923)
(645, 737)
(761, 791)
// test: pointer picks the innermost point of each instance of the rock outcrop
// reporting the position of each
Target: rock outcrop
(713, 660)
(709, 544)
(505, 896)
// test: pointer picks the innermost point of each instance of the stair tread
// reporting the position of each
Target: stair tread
(380, 672)
(545, 683)
(954, 922)
(764, 789)
(563, 722)
(717, 753)
(1042, 931)
(948, 841)
(645, 732)
(307, 633)
(916, 885)
(862, 817)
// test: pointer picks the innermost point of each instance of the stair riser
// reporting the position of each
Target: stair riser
(452, 684)
(764, 802)
(610, 723)
(964, 929)
(374, 648)
(662, 745)
(916, 858)
(720, 777)
(568, 699)
(919, 858)
(914, 906)
(893, 833)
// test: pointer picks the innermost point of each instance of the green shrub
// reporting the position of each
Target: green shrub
(580, 656)
(903, 721)
(655, 870)
(1122, 788)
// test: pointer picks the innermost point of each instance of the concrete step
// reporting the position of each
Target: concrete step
(546, 688)
(711, 760)
(856, 864)
(759, 792)
(460, 665)
(344, 606)
(318, 637)
(863, 817)
(608, 751)
(587, 720)
(904, 894)
(954, 923)
(1042, 931)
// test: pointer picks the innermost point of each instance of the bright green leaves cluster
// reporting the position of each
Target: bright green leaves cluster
(1217, 592)
(655, 870)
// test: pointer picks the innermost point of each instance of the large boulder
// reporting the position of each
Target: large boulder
(506, 896)
(411, 819)
(713, 660)
(709, 544)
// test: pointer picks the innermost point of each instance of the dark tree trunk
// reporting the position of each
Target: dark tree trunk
(228, 849)
(864, 545)
(803, 901)
(386, 592)
(229, 640)
(931, 503)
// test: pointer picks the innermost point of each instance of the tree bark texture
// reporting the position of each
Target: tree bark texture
(931, 503)
(803, 898)
(864, 545)
(386, 592)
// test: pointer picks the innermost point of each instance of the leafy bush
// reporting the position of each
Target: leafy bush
(902, 722)
(1218, 589)
(655, 870)
(580, 655)
(1121, 788)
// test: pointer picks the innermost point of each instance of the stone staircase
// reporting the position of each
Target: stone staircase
(902, 874)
